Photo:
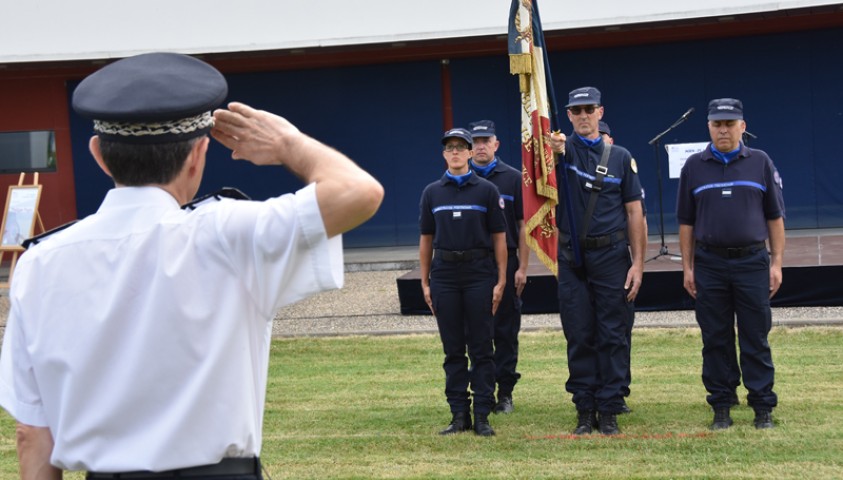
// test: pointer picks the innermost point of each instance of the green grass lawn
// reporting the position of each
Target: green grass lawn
(371, 407)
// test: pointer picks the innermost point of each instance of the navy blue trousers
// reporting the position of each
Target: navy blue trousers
(507, 326)
(730, 289)
(462, 297)
(596, 319)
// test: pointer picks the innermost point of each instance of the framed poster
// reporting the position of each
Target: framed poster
(20, 215)
(677, 153)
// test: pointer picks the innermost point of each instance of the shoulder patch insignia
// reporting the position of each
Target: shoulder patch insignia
(500, 202)
(633, 166)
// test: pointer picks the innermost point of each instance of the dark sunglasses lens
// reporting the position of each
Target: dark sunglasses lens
(588, 109)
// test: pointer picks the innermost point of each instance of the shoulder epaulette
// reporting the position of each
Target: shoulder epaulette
(226, 192)
(43, 236)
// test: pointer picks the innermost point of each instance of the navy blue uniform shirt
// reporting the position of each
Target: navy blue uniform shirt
(461, 218)
(729, 204)
(508, 181)
(620, 186)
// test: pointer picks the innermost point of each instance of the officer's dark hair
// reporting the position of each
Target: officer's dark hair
(135, 165)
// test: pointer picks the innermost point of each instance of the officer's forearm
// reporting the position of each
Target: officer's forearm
(35, 445)
(636, 232)
(775, 229)
(686, 246)
(523, 251)
(425, 256)
(499, 242)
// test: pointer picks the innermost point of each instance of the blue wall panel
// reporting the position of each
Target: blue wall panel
(388, 118)
(816, 125)
(483, 89)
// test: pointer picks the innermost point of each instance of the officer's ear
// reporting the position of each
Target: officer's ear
(94, 147)
(196, 158)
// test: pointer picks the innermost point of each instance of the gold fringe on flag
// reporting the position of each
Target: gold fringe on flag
(520, 64)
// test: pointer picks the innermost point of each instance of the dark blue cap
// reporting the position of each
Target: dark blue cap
(584, 96)
(482, 128)
(725, 109)
(460, 133)
(603, 127)
(151, 98)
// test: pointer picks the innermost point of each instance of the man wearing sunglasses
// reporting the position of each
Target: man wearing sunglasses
(595, 297)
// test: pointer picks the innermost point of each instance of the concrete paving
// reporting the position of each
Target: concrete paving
(368, 305)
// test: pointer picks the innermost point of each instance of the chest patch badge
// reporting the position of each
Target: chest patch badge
(726, 193)
(633, 166)
(457, 215)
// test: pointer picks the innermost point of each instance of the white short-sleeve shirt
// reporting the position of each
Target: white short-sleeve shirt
(140, 336)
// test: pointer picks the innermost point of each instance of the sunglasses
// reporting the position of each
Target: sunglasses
(589, 109)
(460, 147)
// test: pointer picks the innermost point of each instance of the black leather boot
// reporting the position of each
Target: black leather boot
(586, 421)
(722, 419)
(481, 425)
(461, 422)
(609, 424)
(763, 419)
(504, 404)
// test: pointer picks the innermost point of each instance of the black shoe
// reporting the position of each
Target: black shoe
(609, 424)
(504, 405)
(763, 419)
(460, 423)
(722, 419)
(481, 425)
(624, 408)
(586, 421)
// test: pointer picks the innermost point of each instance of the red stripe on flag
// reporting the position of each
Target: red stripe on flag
(539, 185)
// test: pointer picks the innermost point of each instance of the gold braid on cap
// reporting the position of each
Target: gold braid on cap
(173, 127)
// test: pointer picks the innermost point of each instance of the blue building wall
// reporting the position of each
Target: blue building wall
(388, 118)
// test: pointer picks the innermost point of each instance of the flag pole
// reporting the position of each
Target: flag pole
(562, 185)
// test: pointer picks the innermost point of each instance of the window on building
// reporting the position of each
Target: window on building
(33, 151)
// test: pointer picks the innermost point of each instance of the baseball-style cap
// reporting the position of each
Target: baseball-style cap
(151, 98)
(584, 96)
(460, 133)
(725, 109)
(603, 127)
(482, 128)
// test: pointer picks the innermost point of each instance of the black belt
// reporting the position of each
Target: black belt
(227, 467)
(732, 252)
(461, 255)
(593, 243)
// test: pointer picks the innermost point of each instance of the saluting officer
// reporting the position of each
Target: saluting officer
(138, 340)
(462, 252)
(729, 203)
(488, 165)
(595, 299)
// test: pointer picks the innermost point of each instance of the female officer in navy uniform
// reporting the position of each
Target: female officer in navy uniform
(462, 251)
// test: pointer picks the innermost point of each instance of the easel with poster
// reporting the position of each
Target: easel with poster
(19, 219)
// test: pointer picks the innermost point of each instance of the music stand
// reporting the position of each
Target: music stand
(663, 251)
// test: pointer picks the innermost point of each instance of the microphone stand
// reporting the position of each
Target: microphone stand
(746, 136)
(663, 251)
